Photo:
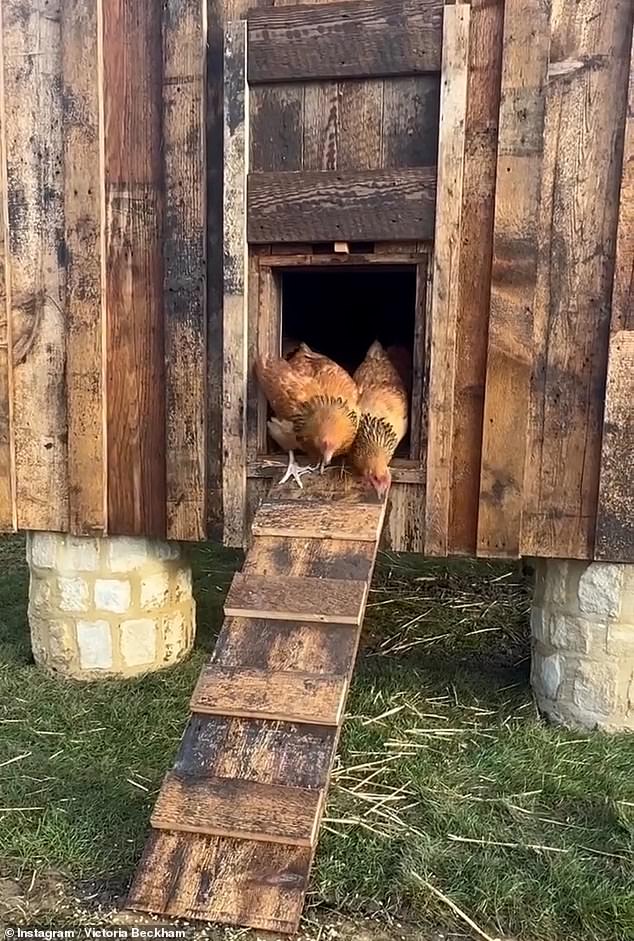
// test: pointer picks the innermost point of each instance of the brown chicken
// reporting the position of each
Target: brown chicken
(315, 407)
(383, 424)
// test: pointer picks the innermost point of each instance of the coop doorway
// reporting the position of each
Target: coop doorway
(339, 307)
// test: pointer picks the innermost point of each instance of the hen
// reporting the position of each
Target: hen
(383, 424)
(315, 406)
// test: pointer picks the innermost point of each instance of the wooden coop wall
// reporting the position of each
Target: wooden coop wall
(115, 390)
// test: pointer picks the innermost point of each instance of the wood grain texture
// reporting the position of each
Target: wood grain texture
(283, 646)
(442, 368)
(321, 206)
(615, 512)
(410, 119)
(583, 139)
(514, 276)
(83, 200)
(238, 809)
(342, 125)
(184, 268)
(345, 40)
(276, 116)
(623, 291)
(7, 466)
(235, 291)
(322, 600)
(317, 558)
(288, 696)
(135, 368)
(261, 885)
(404, 529)
(474, 276)
(32, 129)
(342, 521)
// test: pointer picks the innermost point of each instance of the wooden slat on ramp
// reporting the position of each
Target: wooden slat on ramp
(235, 824)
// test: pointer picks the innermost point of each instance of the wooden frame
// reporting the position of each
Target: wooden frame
(265, 332)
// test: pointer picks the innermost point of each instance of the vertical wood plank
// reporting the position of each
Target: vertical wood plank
(410, 122)
(31, 38)
(623, 292)
(7, 502)
(276, 132)
(184, 268)
(474, 278)
(343, 125)
(514, 274)
(453, 104)
(583, 139)
(615, 513)
(83, 195)
(135, 373)
(235, 289)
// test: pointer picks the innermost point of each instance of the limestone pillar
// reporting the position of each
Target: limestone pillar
(111, 606)
(583, 643)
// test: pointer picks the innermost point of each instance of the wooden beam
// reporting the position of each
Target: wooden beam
(514, 277)
(7, 458)
(185, 269)
(583, 133)
(32, 129)
(356, 520)
(135, 371)
(343, 205)
(295, 598)
(474, 276)
(623, 291)
(453, 106)
(83, 202)
(345, 40)
(235, 288)
(615, 513)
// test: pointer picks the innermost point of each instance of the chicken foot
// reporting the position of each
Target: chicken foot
(296, 471)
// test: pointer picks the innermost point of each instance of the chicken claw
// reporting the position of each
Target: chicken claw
(296, 471)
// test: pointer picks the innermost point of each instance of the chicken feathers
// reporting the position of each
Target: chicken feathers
(314, 401)
(383, 405)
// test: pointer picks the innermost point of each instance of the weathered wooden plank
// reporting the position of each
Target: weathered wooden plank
(615, 512)
(356, 206)
(404, 529)
(236, 151)
(318, 558)
(276, 127)
(319, 520)
(238, 809)
(623, 291)
(258, 644)
(474, 276)
(32, 119)
(184, 268)
(321, 600)
(288, 696)
(345, 40)
(514, 276)
(83, 194)
(135, 367)
(7, 479)
(453, 104)
(342, 125)
(259, 885)
(410, 122)
(589, 62)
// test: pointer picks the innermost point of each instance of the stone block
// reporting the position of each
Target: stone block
(42, 549)
(138, 641)
(39, 596)
(74, 594)
(112, 594)
(52, 642)
(577, 634)
(546, 674)
(165, 551)
(155, 591)
(175, 636)
(594, 688)
(94, 640)
(78, 554)
(599, 590)
(183, 584)
(539, 625)
(126, 553)
(621, 641)
(557, 582)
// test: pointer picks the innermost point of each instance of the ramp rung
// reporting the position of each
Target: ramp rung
(287, 696)
(360, 522)
(238, 809)
(319, 600)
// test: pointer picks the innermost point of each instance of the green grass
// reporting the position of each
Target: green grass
(442, 759)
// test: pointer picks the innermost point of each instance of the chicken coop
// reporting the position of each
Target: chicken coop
(188, 183)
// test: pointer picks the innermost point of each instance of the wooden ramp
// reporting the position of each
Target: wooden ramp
(234, 829)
